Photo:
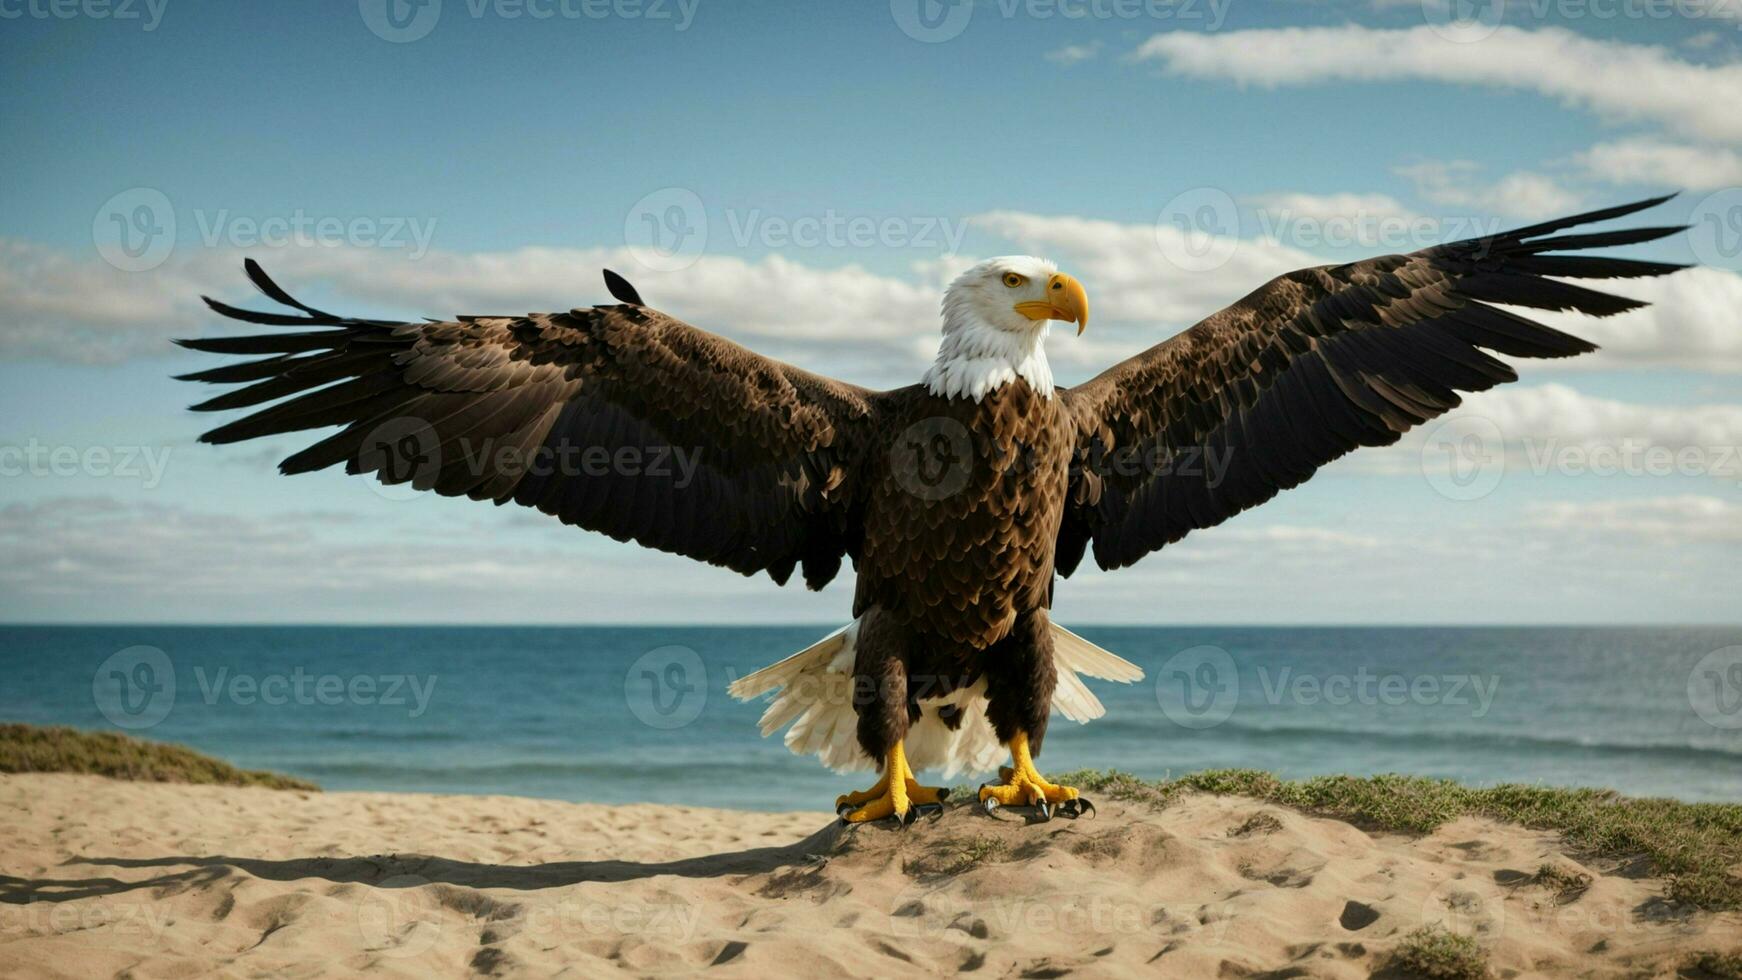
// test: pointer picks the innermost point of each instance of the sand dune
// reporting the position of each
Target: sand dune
(150, 880)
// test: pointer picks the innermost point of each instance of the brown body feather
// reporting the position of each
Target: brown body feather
(953, 511)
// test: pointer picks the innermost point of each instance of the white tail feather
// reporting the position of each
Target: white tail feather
(1071, 650)
(814, 696)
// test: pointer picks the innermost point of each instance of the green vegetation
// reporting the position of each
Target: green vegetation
(1434, 953)
(31, 748)
(1693, 845)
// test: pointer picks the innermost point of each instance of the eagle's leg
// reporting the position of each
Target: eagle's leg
(1023, 785)
(880, 698)
(1020, 685)
(895, 795)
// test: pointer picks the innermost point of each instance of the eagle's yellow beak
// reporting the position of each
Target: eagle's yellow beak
(1065, 300)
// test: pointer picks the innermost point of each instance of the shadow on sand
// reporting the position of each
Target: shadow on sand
(408, 870)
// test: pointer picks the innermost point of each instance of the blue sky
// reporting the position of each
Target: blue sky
(494, 163)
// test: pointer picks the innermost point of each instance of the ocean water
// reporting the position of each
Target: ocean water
(626, 714)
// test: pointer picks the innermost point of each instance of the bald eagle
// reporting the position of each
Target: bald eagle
(959, 499)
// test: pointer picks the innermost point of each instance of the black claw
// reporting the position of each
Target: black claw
(906, 820)
(1044, 809)
(943, 793)
(1077, 807)
(843, 810)
(989, 805)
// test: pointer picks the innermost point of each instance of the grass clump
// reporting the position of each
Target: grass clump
(1565, 884)
(1259, 823)
(1692, 845)
(1118, 785)
(1711, 965)
(33, 748)
(1436, 954)
(952, 857)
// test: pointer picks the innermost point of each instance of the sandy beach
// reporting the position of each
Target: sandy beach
(111, 878)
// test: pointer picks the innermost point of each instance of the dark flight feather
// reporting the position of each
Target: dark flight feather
(620, 288)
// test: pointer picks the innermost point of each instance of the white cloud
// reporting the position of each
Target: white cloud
(1435, 560)
(1685, 519)
(867, 327)
(1374, 224)
(1613, 78)
(1692, 323)
(1554, 429)
(1648, 160)
(53, 304)
(1071, 54)
(1333, 207)
(1298, 538)
(1460, 183)
(430, 560)
(57, 306)
(1560, 412)
(1702, 40)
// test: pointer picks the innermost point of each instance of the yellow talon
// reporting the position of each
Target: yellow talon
(864, 796)
(893, 795)
(1021, 784)
(925, 794)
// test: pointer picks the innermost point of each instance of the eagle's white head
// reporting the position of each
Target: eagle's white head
(995, 324)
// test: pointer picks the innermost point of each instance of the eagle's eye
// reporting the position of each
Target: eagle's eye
(1013, 280)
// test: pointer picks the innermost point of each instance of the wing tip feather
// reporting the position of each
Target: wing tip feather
(620, 288)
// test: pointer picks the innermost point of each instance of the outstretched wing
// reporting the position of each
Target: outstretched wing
(1315, 363)
(617, 419)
